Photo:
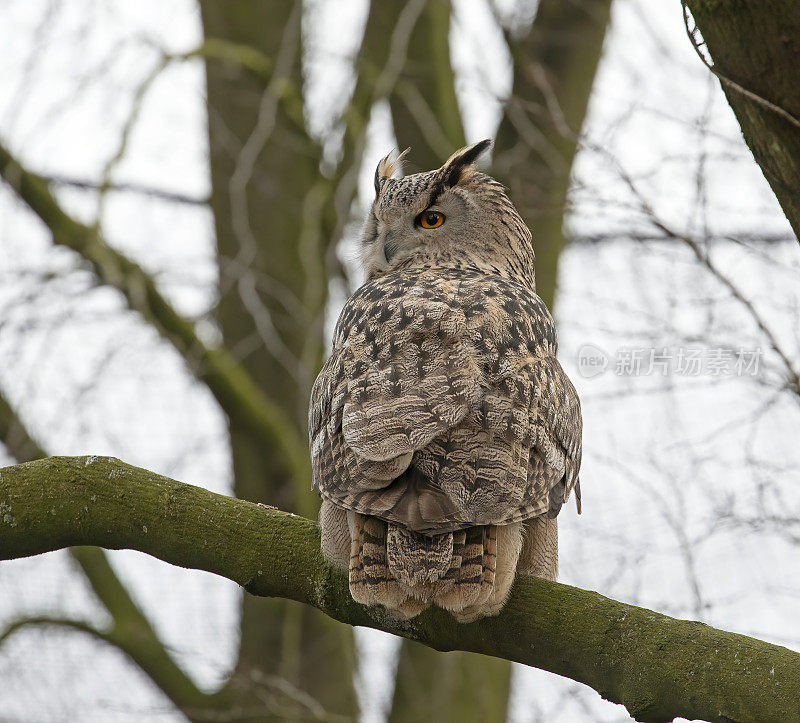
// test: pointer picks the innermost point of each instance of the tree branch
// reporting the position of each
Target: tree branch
(132, 633)
(130, 630)
(50, 621)
(144, 650)
(136, 188)
(658, 667)
(230, 383)
(15, 436)
(755, 52)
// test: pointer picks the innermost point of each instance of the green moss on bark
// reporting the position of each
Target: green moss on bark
(657, 666)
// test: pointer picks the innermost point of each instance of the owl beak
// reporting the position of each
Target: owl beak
(390, 246)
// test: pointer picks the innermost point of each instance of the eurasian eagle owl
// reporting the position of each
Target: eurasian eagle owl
(445, 436)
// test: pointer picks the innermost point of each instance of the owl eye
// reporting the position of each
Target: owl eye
(430, 219)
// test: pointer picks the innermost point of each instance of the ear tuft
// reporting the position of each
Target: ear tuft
(455, 166)
(387, 168)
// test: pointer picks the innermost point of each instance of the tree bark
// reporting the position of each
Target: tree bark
(656, 666)
(272, 295)
(554, 69)
(235, 390)
(755, 48)
(130, 629)
(426, 118)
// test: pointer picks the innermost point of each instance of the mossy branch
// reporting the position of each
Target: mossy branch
(229, 382)
(657, 666)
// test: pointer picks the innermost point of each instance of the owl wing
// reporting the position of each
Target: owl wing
(442, 405)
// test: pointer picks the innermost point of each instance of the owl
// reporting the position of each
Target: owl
(445, 436)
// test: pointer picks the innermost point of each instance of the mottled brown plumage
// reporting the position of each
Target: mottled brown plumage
(445, 436)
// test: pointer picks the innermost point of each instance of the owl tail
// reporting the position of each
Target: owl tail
(415, 558)
(407, 571)
(371, 580)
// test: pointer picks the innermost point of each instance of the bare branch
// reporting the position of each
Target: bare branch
(159, 667)
(703, 257)
(124, 187)
(130, 631)
(15, 436)
(51, 621)
(230, 383)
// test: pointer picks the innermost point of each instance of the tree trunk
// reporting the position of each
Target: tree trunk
(430, 685)
(424, 104)
(453, 687)
(554, 70)
(270, 313)
(755, 46)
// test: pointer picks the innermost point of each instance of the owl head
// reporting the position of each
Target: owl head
(454, 217)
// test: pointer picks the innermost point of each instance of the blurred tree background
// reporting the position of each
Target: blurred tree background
(285, 201)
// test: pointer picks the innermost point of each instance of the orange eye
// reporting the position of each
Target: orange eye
(430, 219)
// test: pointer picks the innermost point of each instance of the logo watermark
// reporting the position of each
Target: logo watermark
(682, 361)
(592, 361)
